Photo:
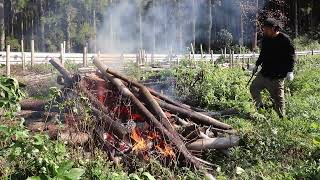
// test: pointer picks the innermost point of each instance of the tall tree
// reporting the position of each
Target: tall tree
(193, 23)
(296, 25)
(2, 26)
(209, 24)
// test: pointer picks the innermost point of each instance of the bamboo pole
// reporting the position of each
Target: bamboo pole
(8, 64)
(32, 53)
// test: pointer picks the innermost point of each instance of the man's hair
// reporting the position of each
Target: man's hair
(271, 22)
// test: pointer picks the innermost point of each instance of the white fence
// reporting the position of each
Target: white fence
(40, 58)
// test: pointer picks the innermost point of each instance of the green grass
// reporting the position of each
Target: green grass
(270, 147)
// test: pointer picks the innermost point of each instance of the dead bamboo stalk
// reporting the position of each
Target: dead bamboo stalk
(115, 126)
(179, 144)
(214, 143)
(181, 108)
(194, 116)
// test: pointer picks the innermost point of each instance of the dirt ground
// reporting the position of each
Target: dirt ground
(35, 81)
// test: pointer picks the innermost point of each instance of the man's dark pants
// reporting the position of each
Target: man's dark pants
(276, 89)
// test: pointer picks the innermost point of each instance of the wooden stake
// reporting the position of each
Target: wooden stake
(85, 56)
(32, 53)
(192, 50)
(201, 51)
(62, 53)
(211, 52)
(8, 61)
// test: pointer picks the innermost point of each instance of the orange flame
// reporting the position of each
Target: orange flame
(140, 142)
(165, 149)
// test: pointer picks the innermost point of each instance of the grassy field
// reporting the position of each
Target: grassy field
(270, 148)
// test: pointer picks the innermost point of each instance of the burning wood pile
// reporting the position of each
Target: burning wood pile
(136, 120)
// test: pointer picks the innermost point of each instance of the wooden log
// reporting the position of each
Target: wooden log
(178, 143)
(8, 64)
(214, 143)
(114, 126)
(33, 105)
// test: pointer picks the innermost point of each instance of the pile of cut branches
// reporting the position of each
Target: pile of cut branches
(135, 120)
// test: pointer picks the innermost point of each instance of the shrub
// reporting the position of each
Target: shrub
(213, 87)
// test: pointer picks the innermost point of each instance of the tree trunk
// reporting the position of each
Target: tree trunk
(193, 23)
(111, 27)
(296, 23)
(255, 33)
(42, 40)
(94, 31)
(209, 24)
(154, 27)
(2, 25)
(180, 23)
(241, 26)
(140, 26)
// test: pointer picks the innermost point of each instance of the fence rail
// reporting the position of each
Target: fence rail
(116, 59)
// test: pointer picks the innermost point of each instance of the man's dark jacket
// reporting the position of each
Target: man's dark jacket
(277, 56)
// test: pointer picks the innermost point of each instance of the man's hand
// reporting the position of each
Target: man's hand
(290, 76)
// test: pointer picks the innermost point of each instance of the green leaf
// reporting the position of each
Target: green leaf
(75, 173)
(148, 176)
(64, 167)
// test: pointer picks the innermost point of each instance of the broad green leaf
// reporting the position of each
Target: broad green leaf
(64, 167)
(75, 173)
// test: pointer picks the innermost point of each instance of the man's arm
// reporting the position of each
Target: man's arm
(291, 56)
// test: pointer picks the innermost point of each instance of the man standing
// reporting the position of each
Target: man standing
(277, 58)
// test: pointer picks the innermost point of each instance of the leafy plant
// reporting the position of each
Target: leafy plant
(10, 95)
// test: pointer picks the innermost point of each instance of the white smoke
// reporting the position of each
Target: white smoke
(168, 21)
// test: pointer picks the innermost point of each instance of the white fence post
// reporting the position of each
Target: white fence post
(32, 53)
(85, 57)
(23, 58)
(8, 64)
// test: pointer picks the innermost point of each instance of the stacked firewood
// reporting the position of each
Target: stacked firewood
(134, 119)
